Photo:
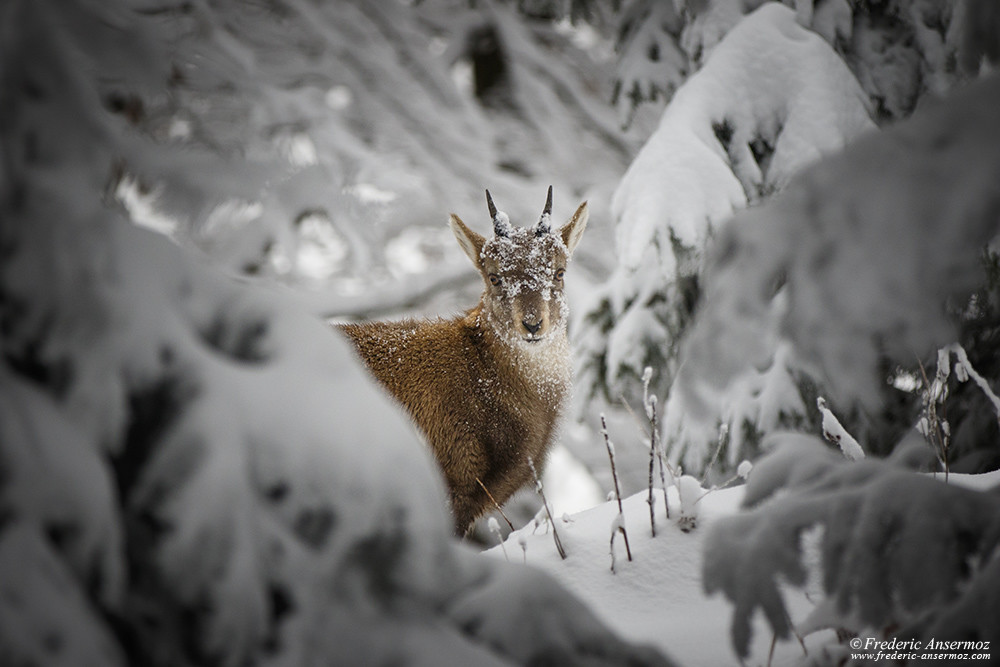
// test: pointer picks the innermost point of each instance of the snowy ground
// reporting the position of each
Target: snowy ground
(657, 598)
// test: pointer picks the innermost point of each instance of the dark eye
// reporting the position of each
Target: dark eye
(495, 280)
(560, 273)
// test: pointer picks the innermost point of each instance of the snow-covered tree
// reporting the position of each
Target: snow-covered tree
(899, 50)
(895, 554)
(771, 98)
(651, 65)
(315, 142)
(871, 247)
(771, 91)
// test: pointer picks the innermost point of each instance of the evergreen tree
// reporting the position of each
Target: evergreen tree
(748, 117)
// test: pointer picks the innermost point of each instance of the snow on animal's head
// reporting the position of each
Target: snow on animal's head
(523, 269)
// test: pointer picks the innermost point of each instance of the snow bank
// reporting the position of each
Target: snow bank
(811, 544)
(658, 597)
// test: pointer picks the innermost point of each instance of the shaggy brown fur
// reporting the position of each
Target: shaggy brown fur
(486, 388)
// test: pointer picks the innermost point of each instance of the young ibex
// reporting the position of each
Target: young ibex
(487, 388)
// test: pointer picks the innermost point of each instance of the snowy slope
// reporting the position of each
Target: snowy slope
(658, 597)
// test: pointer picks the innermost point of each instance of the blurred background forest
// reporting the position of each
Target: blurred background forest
(319, 146)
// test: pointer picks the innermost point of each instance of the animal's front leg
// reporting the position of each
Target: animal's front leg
(467, 504)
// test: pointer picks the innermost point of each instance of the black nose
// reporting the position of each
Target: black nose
(532, 328)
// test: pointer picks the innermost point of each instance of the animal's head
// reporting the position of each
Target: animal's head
(523, 269)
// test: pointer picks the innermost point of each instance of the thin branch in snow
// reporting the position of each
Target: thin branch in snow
(656, 451)
(494, 527)
(742, 472)
(651, 499)
(647, 375)
(774, 643)
(634, 416)
(548, 512)
(656, 447)
(619, 523)
(495, 503)
(664, 465)
(834, 431)
(649, 402)
(720, 444)
(932, 423)
(617, 526)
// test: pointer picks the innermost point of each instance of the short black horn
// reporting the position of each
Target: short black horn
(501, 225)
(545, 222)
(491, 205)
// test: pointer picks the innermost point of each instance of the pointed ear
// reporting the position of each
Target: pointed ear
(471, 242)
(573, 230)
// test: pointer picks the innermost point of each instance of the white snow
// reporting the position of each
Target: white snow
(369, 193)
(501, 224)
(684, 180)
(569, 485)
(656, 599)
(834, 431)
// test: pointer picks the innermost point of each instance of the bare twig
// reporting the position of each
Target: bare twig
(617, 526)
(656, 446)
(649, 403)
(621, 511)
(495, 503)
(634, 416)
(494, 527)
(651, 499)
(548, 511)
(663, 465)
(934, 425)
(655, 450)
(723, 439)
